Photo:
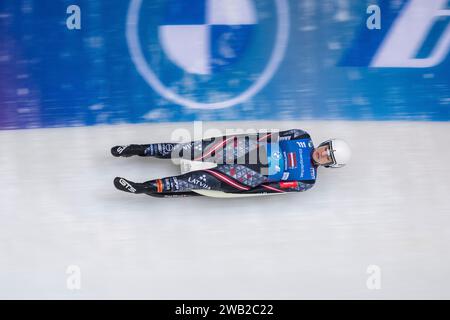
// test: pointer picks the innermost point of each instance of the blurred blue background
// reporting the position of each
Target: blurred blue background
(52, 76)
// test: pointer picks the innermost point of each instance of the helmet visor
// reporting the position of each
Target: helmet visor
(329, 145)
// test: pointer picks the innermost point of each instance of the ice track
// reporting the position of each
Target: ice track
(390, 207)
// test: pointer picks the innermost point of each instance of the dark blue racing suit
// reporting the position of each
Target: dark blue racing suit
(271, 162)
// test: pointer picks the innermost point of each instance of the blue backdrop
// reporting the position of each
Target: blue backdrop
(173, 60)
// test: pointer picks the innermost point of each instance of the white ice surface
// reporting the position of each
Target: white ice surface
(390, 207)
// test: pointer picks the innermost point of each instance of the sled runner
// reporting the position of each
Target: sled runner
(191, 165)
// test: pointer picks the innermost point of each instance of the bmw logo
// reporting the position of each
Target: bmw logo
(207, 54)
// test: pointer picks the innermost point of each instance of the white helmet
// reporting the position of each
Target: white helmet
(340, 152)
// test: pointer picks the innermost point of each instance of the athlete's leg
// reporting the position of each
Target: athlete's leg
(163, 150)
(236, 149)
(195, 180)
(227, 178)
(216, 149)
(158, 150)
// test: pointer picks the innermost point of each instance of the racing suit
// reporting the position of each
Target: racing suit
(271, 162)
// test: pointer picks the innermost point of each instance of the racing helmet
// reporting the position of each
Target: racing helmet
(339, 152)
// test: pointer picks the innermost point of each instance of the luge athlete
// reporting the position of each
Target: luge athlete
(280, 162)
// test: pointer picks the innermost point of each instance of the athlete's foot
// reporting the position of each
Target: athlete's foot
(134, 187)
(129, 150)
